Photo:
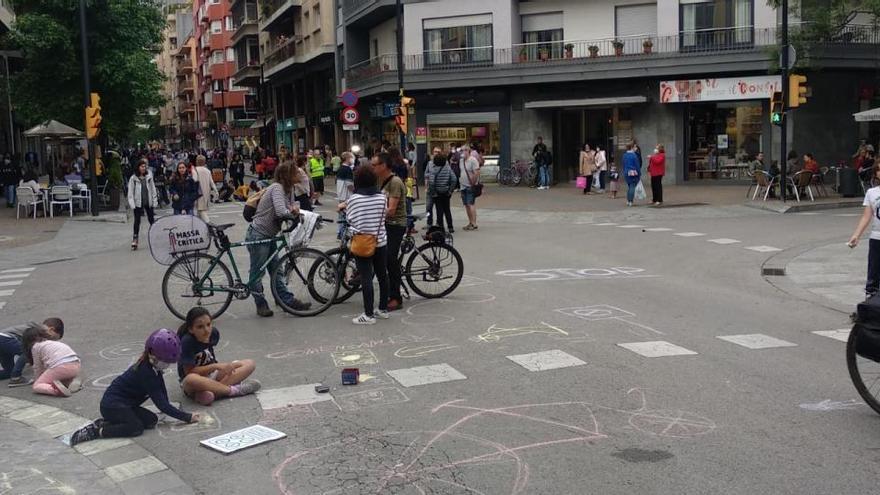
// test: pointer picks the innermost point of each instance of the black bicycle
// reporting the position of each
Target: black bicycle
(863, 362)
(433, 269)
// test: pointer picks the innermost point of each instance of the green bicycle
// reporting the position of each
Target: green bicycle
(200, 279)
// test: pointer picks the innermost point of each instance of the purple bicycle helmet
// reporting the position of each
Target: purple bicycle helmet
(164, 345)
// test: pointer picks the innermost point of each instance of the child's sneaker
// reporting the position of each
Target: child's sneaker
(363, 319)
(19, 381)
(246, 387)
(61, 388)
(205, 398)
(75, 385)
(88, 432)
(381, 313)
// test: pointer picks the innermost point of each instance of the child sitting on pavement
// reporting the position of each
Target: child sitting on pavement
(56, 365)
(12, 360)
(121, 411)
(201, 376)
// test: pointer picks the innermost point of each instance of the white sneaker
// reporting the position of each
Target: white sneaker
(629, 203)
(381, 313)
(363, 319)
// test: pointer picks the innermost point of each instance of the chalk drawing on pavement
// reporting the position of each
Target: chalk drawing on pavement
(382, 396)
(291, 414)
(560, 274)
(355, 346)
(31, 481)
(606, 312)
(409, 352)
(496, 333)
(342, 359)
(104, 381)
(416, 314)
(454, 457)
(832, 405)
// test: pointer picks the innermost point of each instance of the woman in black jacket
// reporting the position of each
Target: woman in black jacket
(184, 190)
(10, 174)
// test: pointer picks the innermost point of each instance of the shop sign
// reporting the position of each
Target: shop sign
(350, 127)
(288, 124)
(720, 89)
(389, 109)
(421, 135)
(325, 118)
(300, 122)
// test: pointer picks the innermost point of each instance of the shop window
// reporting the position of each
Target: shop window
(716, 24)
(722, 139)
(454, 45)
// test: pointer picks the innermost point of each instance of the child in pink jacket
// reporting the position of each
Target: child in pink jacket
(55, 364)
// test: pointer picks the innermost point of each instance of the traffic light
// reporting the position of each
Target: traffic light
(93, 116)
(400, 119)
(777, 110)
(797, 90)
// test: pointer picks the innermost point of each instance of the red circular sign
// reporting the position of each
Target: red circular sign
(350, 116)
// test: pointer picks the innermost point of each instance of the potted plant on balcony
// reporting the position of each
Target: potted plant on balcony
(569, 50)
(618, 47)
(648, 45)
(594, 51)
(544, 54)
(523, 55)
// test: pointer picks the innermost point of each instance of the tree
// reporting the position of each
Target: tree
(123, 36)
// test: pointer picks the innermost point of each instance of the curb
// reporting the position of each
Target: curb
(145, 474)
(104, 217)
(803, 206)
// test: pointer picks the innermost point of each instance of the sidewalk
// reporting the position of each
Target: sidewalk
(43, 464)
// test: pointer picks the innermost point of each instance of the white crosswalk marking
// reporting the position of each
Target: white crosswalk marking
(689, 234)
(16, 270)
(423, 375)
(546, 360)
(10, 283)
(15, 275)
(4, 293)
(2, 304)
(658, 229)
(763, 249)
(841, 334)
(724, 241)
(659, 348)
(756, 341)
(630, 226)
(606, 224)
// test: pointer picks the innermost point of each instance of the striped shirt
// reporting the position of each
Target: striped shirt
(273, 205)
(366, 215)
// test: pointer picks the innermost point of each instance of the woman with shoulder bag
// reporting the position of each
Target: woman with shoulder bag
(365, 214)
(142, 198)
(587, 166)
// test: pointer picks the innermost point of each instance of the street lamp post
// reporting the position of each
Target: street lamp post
(783, 127)
(87, 90)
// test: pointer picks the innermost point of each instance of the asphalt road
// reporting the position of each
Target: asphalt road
(593, 413)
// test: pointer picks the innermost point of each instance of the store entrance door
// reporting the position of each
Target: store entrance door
(576, 128)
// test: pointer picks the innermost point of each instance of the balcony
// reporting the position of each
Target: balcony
(184, 66)
(248, 75)
(187, 107)
(283, 55)
(367, 13)
(245, 18)
(274, 12)
(187, 87)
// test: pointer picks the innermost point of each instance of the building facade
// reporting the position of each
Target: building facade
(694, 75)
(166, 62)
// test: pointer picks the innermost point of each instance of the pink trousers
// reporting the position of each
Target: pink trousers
(64, 373)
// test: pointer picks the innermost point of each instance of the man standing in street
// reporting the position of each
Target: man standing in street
(206, 187)
(316, 167)
(470, 176)
(429, 201)
(539, 154)
(395, 223)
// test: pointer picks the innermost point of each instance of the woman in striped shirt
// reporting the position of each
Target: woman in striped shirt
(365, 214)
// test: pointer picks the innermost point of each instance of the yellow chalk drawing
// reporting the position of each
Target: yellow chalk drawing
(496, 333)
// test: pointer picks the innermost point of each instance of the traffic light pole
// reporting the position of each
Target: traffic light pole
(783, 139)
(87, 99)
(399, 39)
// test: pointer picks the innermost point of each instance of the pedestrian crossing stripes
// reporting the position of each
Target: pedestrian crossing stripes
(724, 241)
(10, 283)
(15, 275)
(630, 226)
(659, 348)
(658, 229)
(756, 341)
(763, 249)
(841, 334)
(689, 234)
(17, 270)
(12, 277)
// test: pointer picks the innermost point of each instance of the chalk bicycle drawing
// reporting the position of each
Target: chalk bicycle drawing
(419, 462)
(432, 270)
(200, 279)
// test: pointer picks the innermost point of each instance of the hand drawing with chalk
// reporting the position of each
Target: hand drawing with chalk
(457, 459)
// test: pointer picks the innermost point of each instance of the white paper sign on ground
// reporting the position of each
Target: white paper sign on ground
(234, 441)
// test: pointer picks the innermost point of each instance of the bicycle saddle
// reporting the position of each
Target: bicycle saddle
(222, 227)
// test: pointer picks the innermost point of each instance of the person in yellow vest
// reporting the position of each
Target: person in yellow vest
(316, 167)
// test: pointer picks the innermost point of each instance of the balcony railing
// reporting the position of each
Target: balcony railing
(247, 15)
(560, 53)
(283, 51)
(269, 7)
(350, 6)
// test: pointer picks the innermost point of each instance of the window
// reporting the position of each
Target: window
(217, 57)
(715, 23)
(216, 27)
(214, 2)
(230, 54)
(375, 48)
(458, 40)
(233, 87)
(229, 26)
(217, 86)
(316, 16)
(542, 36)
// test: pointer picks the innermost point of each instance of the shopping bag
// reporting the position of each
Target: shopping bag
(596, 182)
(581, 182)
(640, 192)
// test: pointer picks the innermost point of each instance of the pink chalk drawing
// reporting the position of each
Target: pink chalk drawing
(455, 458)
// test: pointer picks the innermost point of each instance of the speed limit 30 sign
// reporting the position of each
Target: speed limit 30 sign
(350, 115)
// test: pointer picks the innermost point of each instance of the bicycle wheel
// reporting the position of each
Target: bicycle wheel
(349, 280)
(864, 372)
(179, 285)
(505, 176)
(311, 276)
(434, 270)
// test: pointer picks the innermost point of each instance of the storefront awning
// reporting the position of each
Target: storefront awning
(872, 115)
(463, 118)
(586, 102)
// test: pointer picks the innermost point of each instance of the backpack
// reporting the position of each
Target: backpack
(250, 206)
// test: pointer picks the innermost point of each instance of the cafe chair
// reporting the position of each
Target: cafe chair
(25, 197)
(800, 182)
(62, 196)
(763, 184)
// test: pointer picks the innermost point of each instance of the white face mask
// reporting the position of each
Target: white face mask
(161, 365)
(655, 150)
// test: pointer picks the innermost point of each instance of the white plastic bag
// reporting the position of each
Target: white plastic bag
(640, 192)
(596, 180)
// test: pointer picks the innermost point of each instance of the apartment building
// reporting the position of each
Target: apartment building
(220, 103)
(190, 128)
(166, 62)
(694, 75)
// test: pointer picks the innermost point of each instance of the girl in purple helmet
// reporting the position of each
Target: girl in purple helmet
(121, 411)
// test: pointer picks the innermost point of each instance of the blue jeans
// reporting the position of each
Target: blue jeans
(10, 347)
(259, 254)
(631, 182)
(543, 176)
(410, 222)
(342, 224)
(10, 194)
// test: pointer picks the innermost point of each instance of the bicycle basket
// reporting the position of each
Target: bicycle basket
(303, 233)
(172, 235)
